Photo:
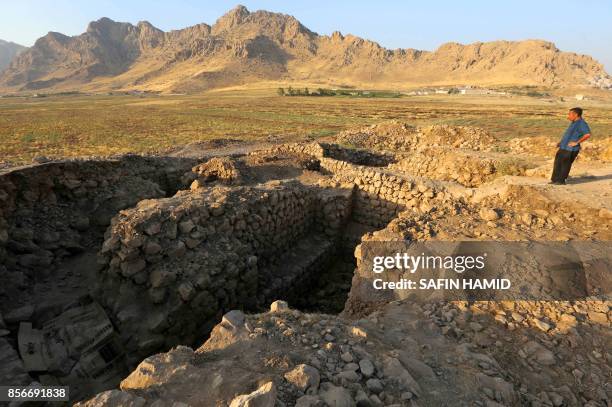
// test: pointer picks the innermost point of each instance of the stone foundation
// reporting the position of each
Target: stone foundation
(178, 263)
(382, 194)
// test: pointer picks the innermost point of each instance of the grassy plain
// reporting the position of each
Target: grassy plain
(78, 125)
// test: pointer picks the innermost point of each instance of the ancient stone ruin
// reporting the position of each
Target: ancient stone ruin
(147, 254)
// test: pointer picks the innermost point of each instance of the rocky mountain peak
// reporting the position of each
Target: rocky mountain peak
(149, 35)
(337, 36)
(52, 36)
(147, 26)
(103, 25)
(232, 18)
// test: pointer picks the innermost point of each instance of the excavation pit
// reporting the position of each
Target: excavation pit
(168, 259)
(125, 258)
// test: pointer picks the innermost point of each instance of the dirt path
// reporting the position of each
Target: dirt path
(590, 185)
(218, 147)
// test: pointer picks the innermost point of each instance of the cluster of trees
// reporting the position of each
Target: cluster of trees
(336, 92)
(319, 92)
(304, 92)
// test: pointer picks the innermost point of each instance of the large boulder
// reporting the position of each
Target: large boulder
(304, 377)
(160, 368)
(336, 396)
(265, 396)
(112, 398)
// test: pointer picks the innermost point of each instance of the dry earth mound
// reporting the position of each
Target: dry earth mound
(594, 150)
(396, 136)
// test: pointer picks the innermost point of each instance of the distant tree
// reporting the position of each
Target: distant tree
(324, 92)
(453, 91)
(306, 92)
(280, 92)
(290, 91)
(534, 93)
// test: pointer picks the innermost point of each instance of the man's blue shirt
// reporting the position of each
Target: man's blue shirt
(574, 132)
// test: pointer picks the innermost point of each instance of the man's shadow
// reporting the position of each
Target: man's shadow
(583, 179)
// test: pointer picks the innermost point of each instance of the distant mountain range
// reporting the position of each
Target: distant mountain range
(245, 47)
(8, 51)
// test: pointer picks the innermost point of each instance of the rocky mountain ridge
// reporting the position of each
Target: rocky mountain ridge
(243, 47)
(8, 51)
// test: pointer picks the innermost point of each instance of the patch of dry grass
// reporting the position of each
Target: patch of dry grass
(512, 166)
(68, 126)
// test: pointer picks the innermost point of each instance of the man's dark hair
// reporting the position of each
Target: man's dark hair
(577, 110)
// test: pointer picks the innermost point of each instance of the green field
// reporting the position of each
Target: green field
(76, 125)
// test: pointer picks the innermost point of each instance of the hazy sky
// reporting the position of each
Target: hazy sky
(579, 26)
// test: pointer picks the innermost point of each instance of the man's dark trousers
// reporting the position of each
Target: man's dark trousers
(563, 163)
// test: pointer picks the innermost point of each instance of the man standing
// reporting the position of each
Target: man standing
(569, 146)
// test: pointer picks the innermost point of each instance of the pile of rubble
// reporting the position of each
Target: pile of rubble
(396, 136)
(595, 149)
(448, 165)
(224, 169)
(532, 210)
(403, 354)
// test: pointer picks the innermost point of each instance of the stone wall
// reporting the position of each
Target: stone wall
(381, 194)
(448, 165)
(312, 149)
(336, 152)
(356, 156)
(172, 266)
(53, 210)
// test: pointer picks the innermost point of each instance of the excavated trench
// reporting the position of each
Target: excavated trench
(166, 263)
(103, 263)
(52, 223)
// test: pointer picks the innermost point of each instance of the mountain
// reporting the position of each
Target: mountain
(244, 47)
(8, 51)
